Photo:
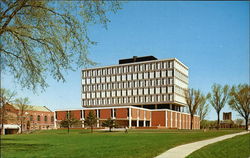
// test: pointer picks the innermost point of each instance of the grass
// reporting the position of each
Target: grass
(236, 147)
(82, 144)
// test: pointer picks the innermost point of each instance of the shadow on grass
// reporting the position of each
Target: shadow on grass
(24, 147)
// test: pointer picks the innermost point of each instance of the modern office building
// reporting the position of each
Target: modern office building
(149, 83)
(139, 92)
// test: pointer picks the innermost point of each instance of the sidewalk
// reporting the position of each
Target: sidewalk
(184, 150)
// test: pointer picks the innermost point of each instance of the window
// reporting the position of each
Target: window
(151, 75)
(38, 118)
(151, 91)
(145, 75)
(134, 91)
(134, 76)
(108, 79)
(145, 91)
(31, 117)
(124, 93)
(123, 77)
(163, 73)
(129, 92)
(103, 79)
(45, 118)
(52, 119)
(129, 77)
(118, 78)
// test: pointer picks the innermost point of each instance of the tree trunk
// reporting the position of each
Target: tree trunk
(218, 120)
(246, 123)
(68, 129)
(21, 126)
(109, 129)
(191, 122)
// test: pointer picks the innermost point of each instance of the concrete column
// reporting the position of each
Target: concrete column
(166, 118)
(144, 120)
(97, 115)
(113, 113)
(55, 120)
(171, 107)
(176, 120)
(180, 121)
(171, 119)
(130, 118)
(137, 122)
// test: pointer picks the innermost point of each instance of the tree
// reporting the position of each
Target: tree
(193, 99)
(111, 123)
(203, 107)
(218, 99)
(22, 107)
(240, 101)
(91, 120)
(69, 121)
(40, 38)
(239, 122)
(6, 97)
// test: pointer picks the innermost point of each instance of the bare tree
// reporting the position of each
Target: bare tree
(6, 96)
(218, 99)
(69, 121)
(240, 101)
(193, 99)
(111, 123)
(91, 120)
(203, 108)
(22, 107)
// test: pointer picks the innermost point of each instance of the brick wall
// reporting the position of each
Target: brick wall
(158, 118)
(105, 113)
(121, 113)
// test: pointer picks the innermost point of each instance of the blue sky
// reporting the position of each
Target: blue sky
(211, 38)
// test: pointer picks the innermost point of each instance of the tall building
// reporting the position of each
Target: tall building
(138, 81)
(138, 92)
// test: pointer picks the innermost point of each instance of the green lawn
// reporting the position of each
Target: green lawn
(82, 144)
(237, 147)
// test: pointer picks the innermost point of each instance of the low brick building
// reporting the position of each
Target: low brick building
(130, 116)
(34, 118)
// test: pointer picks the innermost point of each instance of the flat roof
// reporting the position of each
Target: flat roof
(134, 63)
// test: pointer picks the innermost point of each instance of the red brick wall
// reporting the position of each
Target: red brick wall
(134, 113)
(178, 121)
(169, 119)
(121, 113)
(148, 115)
(105, 113)
(76, 114)
(173, 120)
(141, 114)
(86, 113)
(158, 118)
(61, 115)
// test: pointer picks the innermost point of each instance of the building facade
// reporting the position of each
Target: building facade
(138, 92)
(34, 118)
(153, 84)
(131, 116)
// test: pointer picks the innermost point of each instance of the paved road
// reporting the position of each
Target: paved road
(184, 150)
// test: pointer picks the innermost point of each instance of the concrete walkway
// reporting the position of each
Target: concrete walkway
(184, 150)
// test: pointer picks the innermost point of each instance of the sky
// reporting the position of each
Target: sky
(211, 38)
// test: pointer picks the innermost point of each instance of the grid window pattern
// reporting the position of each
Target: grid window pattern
(136, 83)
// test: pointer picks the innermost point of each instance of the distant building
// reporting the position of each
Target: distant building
(36, 117)
(227, 115)
(138, 92)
